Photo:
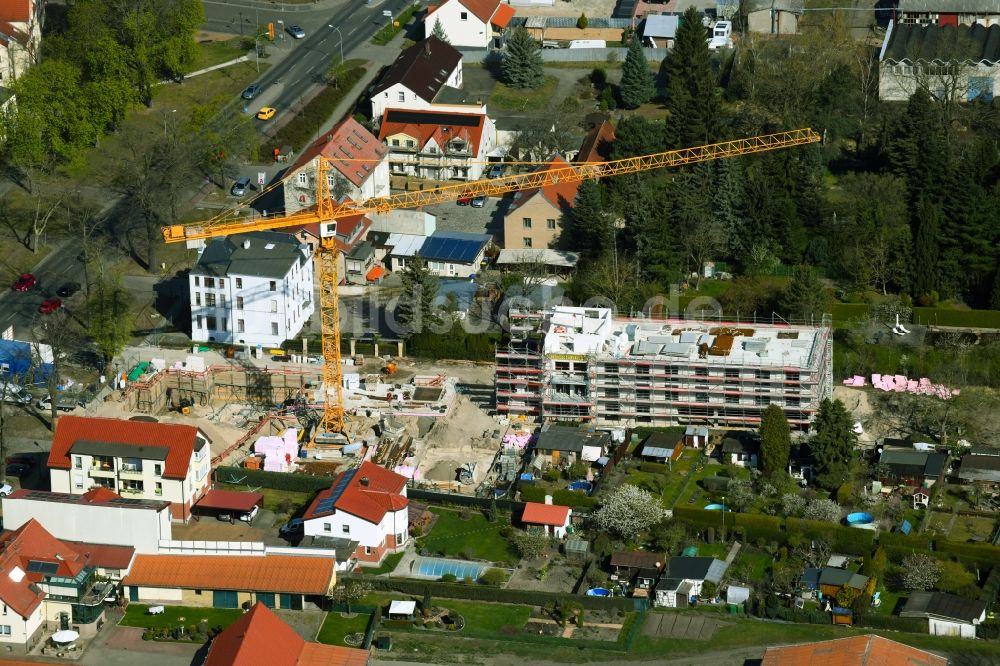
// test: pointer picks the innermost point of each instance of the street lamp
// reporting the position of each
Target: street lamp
(256, 50)
(723, 535)
(339, 34)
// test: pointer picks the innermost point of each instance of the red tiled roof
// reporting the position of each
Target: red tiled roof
(350, 148)
(502, 16)
(369, 502)
(178, 438)
(103, 555)
(560, 195)
(270, 573)
(100, 494)
(347, 228)
(867, 650)
(260, 637)
(16, 11)
(596, 146)
(230, 500)
(439, 127)
(483, 9)
(8, 30)
(545, 514)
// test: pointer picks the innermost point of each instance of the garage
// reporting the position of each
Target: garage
(229, 505)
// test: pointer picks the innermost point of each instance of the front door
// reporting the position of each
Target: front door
(133, 593)
(225, 599)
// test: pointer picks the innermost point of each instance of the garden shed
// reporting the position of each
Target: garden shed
(402, 610)
(577, 549)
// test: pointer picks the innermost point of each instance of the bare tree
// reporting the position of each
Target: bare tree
(866, 70)
(61, 333)
(703, 241)
(44, 214)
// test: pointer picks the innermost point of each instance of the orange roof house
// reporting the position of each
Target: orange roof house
(597, 144)
(552, 518)
(286, 574)
(260, 637)
(534, 218)
(867, 650)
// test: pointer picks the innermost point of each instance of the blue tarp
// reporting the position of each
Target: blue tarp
(18, 358)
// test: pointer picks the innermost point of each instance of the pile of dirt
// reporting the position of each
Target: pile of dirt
(466, 423)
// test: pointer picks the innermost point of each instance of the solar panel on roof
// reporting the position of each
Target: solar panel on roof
(424, 118)
(326, 504)
(459, 250)
(47, 568)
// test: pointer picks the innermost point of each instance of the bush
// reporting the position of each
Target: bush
(582, 22)
(454, 344)
(653, 468)
(715, 484)
(494, 577)
(449, 578)
(598, 77)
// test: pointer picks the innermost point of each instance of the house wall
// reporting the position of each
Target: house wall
(263, 311)
(783, 23)
(407, 158)
(462, 26)
(398, 96)
(300, 185)
(394, 524)
(898, 81)
(451, 269)
(948, 628)
(545, 220)
(140, 528)
(985, 19)
(415, 222)
(148, 594)
(24, 631)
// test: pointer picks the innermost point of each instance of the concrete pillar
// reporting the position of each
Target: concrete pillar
(399, 348)
(376, 348)
(353, 347)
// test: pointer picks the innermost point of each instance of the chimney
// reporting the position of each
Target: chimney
(548, 499)
(246, 244)
(364, 481)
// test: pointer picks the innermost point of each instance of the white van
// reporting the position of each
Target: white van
(588, 44)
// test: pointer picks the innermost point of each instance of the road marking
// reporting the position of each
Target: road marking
(351, 32)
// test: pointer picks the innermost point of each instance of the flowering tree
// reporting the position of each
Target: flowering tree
(920, 572)
(822, 509)
(628, 511)
(792, 504)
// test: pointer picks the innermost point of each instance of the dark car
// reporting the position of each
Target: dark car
(479, 201)
(68, 289)
(17, 469)
(465, 199)
(25, 282)
(50, 305)
(251, 91)
(240, 187)
(20, 459)
(495, 171)
(296, 31)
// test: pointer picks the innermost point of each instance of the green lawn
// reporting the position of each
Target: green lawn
(336, 626)
(216, 53)
(475, 538)
(488, 620)
(759, 563)
(388, 564)
(537, 99)
(967, 527)
(175, 616)
(702, 496)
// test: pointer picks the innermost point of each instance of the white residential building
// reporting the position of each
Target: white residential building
(136, 459)
(251, 289)
(474, 23)
(99, 515)
(437, 145)
(455, 254)
(368, 505)
(20, 38)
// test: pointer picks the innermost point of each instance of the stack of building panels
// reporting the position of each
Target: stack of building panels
(722, 345)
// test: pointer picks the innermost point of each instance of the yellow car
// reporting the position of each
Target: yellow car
(266, 113)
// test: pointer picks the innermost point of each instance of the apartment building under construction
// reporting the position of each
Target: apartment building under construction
(584, 364)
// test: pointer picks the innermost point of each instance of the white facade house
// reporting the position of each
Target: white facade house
(474, 23)
(251, 289)
(455, 254)
(368, 505)
(136, 459)
(684, 578)
(99, 515)
(437, 145)
(553, 519)
(356, 167)
(20, 38)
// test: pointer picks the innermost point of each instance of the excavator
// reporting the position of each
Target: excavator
(327, 210)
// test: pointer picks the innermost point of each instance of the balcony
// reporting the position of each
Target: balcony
(130, 473)
(102, 472)
(132, 492)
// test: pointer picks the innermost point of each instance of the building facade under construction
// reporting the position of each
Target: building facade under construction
(585, 364)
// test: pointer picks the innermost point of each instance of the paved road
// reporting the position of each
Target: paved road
(20, 309)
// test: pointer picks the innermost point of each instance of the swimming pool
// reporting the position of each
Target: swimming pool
(434, 567)
(716, 507)
(598, 592)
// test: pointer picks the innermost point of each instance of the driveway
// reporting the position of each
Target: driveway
(123, 646)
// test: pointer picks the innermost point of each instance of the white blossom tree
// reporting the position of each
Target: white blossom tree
(792, 504)
(628, 511)
(825, 510)
(920, 572)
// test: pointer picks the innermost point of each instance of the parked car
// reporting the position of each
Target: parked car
(296, 31)
(495, 171)
(479, 201)
(18, 470)
(5, 490)
(64, 402)
(67, 289)
(228, 517)
(240, 187)
(293, 527)
(266, 113)
(25, 282)
(12, 393)
(465, 199)
(248, 517)
(251, 91)
(50, 305)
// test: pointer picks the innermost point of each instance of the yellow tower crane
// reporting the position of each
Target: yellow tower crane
(327, 211)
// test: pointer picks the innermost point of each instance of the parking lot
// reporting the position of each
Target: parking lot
(485, 220)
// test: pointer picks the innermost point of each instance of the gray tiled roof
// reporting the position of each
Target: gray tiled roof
(946, 43)
(228, 256)
(939, 604)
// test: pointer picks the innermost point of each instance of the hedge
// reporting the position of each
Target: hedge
(957, 318)
(697, 517)
(803, 616)
(484, 593)
(760, 527)
(653, 468)
(850, 540)
(455, 344)
(277, 480)
(914, 625)
(979, 554)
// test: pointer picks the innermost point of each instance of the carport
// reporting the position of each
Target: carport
(234, 503)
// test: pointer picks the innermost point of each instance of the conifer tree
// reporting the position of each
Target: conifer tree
(637, 80)
(691, 86)
(415, 308)
(439, 31)
(522, 63)
(775, 440)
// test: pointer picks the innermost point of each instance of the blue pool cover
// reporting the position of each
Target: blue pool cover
(429, 566)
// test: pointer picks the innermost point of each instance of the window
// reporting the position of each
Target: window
(410, 143)
(158, 488)
(402, 96)
(210, 282)
(400, 537)
(197, 298)
(550, 224)
(395, 142)
(78, 482)
(240, 326)
(346, 529)
(197, 281)
(274, 328)
(225, 324)
(211, 323)
(77, 462)
(239, 283)
(274, 305)
(222, 300)
(368, 550)
(157, 469)
(200, 324)
(303, 178)
(5, 609)
(464, 16)
(197, 593)
(273, 285)
(239, 302)
(327, 527)
(222, 283)
(526, 241)
(526, 222)
(210, 300)
(732, 373)
(4, 630)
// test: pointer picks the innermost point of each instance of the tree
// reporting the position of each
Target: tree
(926, 244)
(832, 444)
(637, 81)
(522, 62)
(109, 317)
(439, 32)
(425, 604)
(628, 511)
(349, 592)
(668, 536)
(825, 510)
(955, 578)
(740, 494)
(876, 564)
(415, 306)
(20, 371)
(587, 229)
(529, 546)
(692, 94)
(792, 504)
(60, 333)
(581, 23)
(775, 440)
(920, 572)
(805, 298)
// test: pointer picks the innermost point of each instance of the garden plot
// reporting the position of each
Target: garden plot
(681, 625)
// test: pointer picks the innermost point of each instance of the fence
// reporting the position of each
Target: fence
(439, 497)
(572, 55)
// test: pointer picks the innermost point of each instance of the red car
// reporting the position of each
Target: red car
(25, 282)
(50, 305)
(466, 198)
